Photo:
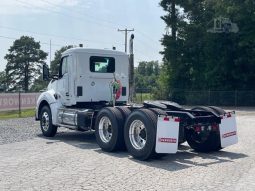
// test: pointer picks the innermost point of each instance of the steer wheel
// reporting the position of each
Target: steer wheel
(48, 129)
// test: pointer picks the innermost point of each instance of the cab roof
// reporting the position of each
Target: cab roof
(93, 51)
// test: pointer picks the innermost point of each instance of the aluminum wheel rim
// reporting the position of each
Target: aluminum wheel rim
(137, 134)
(45, 121)
(105, 129)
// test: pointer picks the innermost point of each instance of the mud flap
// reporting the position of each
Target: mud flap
(228, 130)
(167, 134)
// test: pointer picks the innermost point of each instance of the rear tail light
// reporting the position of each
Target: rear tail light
(166, 118)
(215, 127)
(197, 128)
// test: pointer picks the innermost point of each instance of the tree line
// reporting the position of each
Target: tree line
(23, 70)
(193, 58)
(196, 59)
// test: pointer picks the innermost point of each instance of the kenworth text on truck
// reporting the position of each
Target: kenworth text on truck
(91, 93)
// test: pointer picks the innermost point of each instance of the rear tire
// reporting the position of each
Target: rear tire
(158, 111)
(48, 129)
(218, 110)
(125, 111)
(140, 134)
(203, 108)
(109, 129)
(212, 143)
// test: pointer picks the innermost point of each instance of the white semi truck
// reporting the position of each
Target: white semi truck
(91, 93)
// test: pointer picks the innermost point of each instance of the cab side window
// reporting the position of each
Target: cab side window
(63, 66)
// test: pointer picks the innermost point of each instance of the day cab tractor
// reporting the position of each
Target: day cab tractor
(91, 93)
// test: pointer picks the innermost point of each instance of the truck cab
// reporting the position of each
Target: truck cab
(85, 76)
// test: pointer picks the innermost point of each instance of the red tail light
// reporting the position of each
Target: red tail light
(166, 119)
(215, 127)
(197, 128)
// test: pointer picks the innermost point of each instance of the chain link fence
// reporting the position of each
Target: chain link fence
(204, 97)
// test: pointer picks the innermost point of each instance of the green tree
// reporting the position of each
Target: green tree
(39, 84)
(24, 62)
(235, 60)
(196, 59)
(161, 88)
(54, 66)
(141, 69)
(146, 74)
(2, 81)
(173, 44)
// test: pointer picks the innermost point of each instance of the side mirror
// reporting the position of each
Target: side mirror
(46, 73)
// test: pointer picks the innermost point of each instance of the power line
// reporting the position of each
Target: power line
(57, 36)
(146, 36)
(45, 43)
(95, 19)
(7, 37)
(29, 5)
(73, 38)
(82, 14)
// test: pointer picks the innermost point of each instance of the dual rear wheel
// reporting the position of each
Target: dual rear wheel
(137, 135)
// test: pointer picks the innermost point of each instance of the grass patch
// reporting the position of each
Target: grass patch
(140, 97)
(15, 114)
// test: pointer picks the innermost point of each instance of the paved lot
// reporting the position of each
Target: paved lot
(73, 161)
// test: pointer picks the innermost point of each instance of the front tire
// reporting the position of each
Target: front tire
(48, 129)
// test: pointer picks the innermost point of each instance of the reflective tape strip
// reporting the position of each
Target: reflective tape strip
(167, 140)
(229, 134)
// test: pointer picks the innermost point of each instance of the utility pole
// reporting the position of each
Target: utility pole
(126, 32)
(50, 52)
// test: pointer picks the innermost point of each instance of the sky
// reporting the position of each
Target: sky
(93, 23)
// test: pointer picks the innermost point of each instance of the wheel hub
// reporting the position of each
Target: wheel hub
(105, 129)
(137, 134)
(45, 121)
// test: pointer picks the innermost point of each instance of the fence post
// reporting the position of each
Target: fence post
(209, 97)
(235, 98)
(19, 105)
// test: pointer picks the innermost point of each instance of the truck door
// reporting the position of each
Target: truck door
(63, 82)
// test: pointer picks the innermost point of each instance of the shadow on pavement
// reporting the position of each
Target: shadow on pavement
(183, 159)
(83, 140)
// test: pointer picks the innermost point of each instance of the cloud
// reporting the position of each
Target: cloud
(16, 7)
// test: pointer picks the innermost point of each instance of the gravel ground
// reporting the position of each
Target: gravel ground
(73, 161)
(15, 130)
(22, 129)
